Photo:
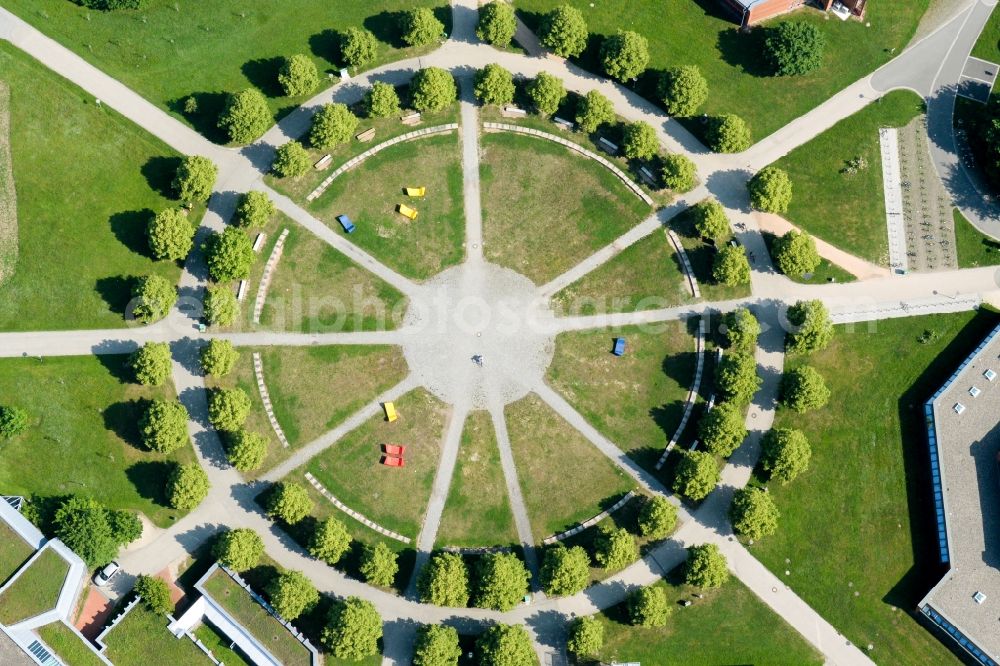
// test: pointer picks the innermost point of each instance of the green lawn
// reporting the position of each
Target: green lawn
(36, 590)
(370, 192)
(636, 400)
(847, 210)
(701, 257)
(174, 49)
(84, 436)
(13, 552)
(252, 617)
(730, 625)
(477, 512)
(68, 646)
(857, 529)
(702, 33)
(564, 478)
(544, 220)
(219, 645)
(973, 248)
(645, 276)
(143, 633)
(87, 182)
(395, 498)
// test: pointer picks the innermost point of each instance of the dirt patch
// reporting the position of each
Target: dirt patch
(8, 195)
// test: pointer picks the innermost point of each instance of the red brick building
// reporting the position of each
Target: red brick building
(748, 12)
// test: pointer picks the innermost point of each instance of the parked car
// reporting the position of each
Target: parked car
(104, 576)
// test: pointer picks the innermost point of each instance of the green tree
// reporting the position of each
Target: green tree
(741, 329)
(722, 429)
(221, 306)
(230, 255)
(125, 526)
(736, 377)
(501, 581)
(358, 46)
(381, 100)
(770, 190)
(706, 566)
(152, 298)
(379, 565)
(546, 93)
(151, 363)
(565, 570)
(163, 426)
(647, 607)
(218, 357)
(437, 645)
(785, 453)
(170, 235)
(239, 549)
(731, 266)
(13, 421)
(292, 594)
(795, 253)
(812, 329)
(290, 160)
(710, 219)
(494, 84)
(615, 549)
(728, 134)
(696, 475)
(246, 450)
(506, 645)
(289, 502)
(82, 524)
(353, 629)
(679, 173)
(586, 637)
(793, 48)
(564, 31)
(594, 110)
(228, 408)
(298, 75)
(246, 116)
(330, 541)
(195, 179)
(332, 125)
(432, 89)
(497, 24)
(683, 90)
(444, 581)
(657, 518)
(753, 513)
(804, 388)
(154, 593)
(187, 486)
(639, 141)
(420, 27)
(255, 210)
(625, 55)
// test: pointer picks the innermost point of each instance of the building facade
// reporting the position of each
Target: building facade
(748, 12)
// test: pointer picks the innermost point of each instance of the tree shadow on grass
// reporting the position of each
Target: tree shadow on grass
(326, 45)
(117, 366)
(129, 227)
(159, 173)
(263, 73)
(386, 28)
(150, 478)
(116, 290)
(205, 117)
(744, 50)
(122, 418)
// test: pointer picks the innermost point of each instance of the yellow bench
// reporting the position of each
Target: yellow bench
(406, 211)
(390, 412)
(416, 191)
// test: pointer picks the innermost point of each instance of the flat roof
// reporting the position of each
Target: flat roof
(968, 441)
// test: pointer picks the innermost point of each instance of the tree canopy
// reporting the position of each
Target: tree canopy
(741, 329)
(218, 357)
(230, 255)
(804, 388)
(289, 502)
(330, 541)
(353, 629)
(444, 581)
(497, 23)
(696, 475)
(647, 607)
(170, 235)
(753, 513)
(615, 548)
(85, 527)
(506, 645)
(255, 210)
(736, 377)
(379, 565)
(432, 89)
(564, 31)
(565, 570)
(228, 408)
(292, 594)
(811, 327)
(152, 298)
(625, 55)
(163, 426)
(731, 266)
(155, 593)
(332, 125)
(246, 450)
(298, 75)
(706, 566)
(683, 90)
(793, 48)
(710, 219)
(795, 253)
(420, 27)
(639, 141)
(722, 429)
(785, 453)
(546, 93)
(187, 486)
(494, 84)
(381, 100)
(358, 46)
(501, 581)
(594, 110)
(770, 190)
(678, 173)
(195, 178)
(586, 636)
(657, 518)
(239, 549)
(246, 116)
(221, 306)
(151, 363)
(290, 160)
(13, 421)
(728, 134)
(437, 645)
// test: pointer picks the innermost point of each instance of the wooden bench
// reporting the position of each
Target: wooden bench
(563, 123)
(608, 146)
(259, 242)
(367, 135)
(411, 118)
(647, 175)
(323, 162)
(513, 112)
(241, 293)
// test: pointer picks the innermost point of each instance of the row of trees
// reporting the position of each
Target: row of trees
(500, 581)
(93, 531)
(730, 266)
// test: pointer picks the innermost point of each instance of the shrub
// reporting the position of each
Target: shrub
(170, 235)
(546, 93)
(494, 84)
(292, 594)
(565, 570)
(330, 541)
(741, 329)
(298, 75)
(506, 645)
(353, 629)
(289, 502)
(358, 47)
(795, 253)
(640, 142)
(246, 450)
(432, 89)
(221, 306)
(770, 190)
(420, 27)
(125, 526)
(13, 421)
(230, 255)
(683, 90)
(785, 453)
(678, 173)
(731, 266)
(615, 549)
(151, 363)
(195, 179)
(586, 637)
(437, 645)
(163, 426)
(722, 429)
(239, 549)
(812, 329)
(728, 134)
(290, 160)
(497, 24)
(228, 408)
(710, 219)
(696, 475)
(803, 389)
(154, 593)
(625, 55)
(657, 518)
(332, 125)
(379, 565)
(647, 607)
(793, 48)
(187, 486)
(152, 298)
(564, 31)
(501, 581)
(218, 357)
(246, 116)
(255, 210)
(736, 377)
(381, 100)
(706, 566)
(753, 513)
(594, 110)
(444, 581)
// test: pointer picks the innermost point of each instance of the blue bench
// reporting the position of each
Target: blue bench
(346, 223)
(619, 348)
